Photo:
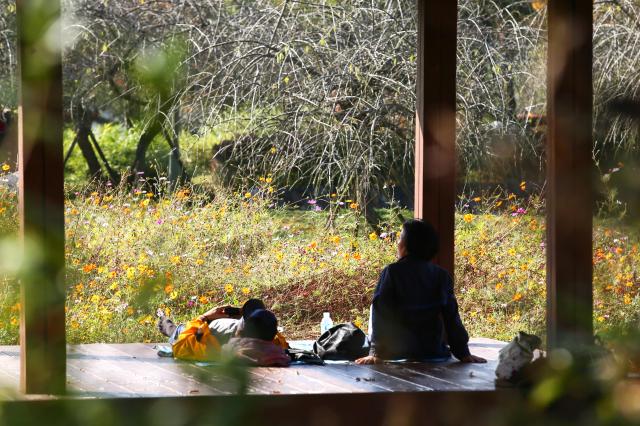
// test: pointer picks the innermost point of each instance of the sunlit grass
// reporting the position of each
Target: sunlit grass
(132, 251)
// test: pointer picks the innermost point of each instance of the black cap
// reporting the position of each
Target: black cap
(261, 324)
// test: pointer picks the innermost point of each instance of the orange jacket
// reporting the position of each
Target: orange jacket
(196, 343)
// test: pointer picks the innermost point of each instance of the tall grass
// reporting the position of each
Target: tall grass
(132, 251)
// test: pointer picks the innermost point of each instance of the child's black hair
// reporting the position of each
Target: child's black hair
(251, 306)
(420, 238)
(261, 324)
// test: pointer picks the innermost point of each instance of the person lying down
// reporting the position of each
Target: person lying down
(249, 334)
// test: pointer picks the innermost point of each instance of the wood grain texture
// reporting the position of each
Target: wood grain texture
(134, 370)
(569, 173)
(435, 179)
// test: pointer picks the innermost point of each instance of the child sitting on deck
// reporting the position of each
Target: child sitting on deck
(414, 313)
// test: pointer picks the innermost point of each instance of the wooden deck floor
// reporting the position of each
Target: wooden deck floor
(135, 370)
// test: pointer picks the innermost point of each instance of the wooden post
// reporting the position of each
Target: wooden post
(569, 164)
(435, 182)
(42, 327)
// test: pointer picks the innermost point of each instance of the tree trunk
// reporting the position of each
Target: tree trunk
(140, 161)
(84, 128)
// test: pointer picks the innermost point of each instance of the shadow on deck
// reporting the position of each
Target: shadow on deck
(135, 370)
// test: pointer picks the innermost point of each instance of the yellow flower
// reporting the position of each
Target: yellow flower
(373, 236)
(353, 206)
(523, 186)
(477, 199)
(270, 189)
(357, 322)
(247, 195)
(335, 239)
(6, 167)
(175, 260)
(517, 297)
(228, 288)
(203, 300)
(601, 318)
(273, 150)
(512, 252)
(313, 245)
(627, 299)
(182, 194)
(168, 288)
(499, 286)
(95, 299)
(268, 180)
(199, 262)
(131, 273)
(498, 204)
(88, 268)
(245, 290)
(468, 217)
(356, 256)
(112, 274)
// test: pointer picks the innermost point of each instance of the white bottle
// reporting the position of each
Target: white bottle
(326, 322)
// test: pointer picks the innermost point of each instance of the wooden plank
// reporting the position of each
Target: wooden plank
(376, 375)
(141, 373)
(435, 181)
(285, 380)
(569, 167)
(9, 370)
(135, 370)
(457, 375)
(347, 383)
(40, 129)
(113, 376)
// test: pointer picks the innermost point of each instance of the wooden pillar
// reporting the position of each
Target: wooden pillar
(42, 328)
(435, 182)
(569, 163)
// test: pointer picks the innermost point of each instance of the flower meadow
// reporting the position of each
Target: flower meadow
(130, 252)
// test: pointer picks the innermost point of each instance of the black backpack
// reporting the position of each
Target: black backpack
(341, 342)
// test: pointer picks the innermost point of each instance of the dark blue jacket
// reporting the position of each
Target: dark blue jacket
(412, 309)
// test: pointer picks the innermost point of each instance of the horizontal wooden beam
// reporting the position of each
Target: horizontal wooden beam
(569, 173)
(40, 127)
(435, 139)
(406, 409)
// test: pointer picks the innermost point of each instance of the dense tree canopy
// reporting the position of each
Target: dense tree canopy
(320, 94)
